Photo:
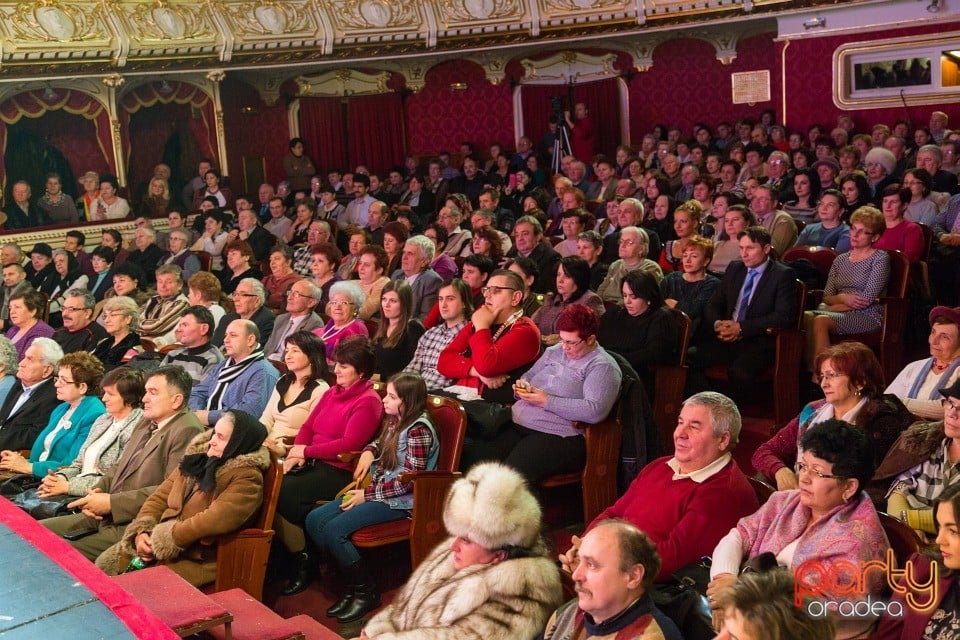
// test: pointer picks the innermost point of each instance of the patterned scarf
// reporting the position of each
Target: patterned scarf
(228, 374)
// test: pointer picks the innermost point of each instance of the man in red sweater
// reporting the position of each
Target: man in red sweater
(687, 502)
(490, 352)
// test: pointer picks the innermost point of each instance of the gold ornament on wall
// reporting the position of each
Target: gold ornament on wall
(54, 21)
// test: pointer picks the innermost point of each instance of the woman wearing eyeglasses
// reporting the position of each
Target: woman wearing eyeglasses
(827, 526)
(346, 298)
(852, 382)
(77, 383)
(575, 380)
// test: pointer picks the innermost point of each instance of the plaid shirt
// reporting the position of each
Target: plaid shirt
(923, 483)
(302, 258)
(428, 351)
(419, 443)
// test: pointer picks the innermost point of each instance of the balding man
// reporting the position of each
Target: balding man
(618, 566)
(243, 381)
(249, 300)
(302, 299)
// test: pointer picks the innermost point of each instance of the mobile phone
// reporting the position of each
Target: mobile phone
(513, 180)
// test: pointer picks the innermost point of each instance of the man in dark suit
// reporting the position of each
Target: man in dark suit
(154, 450)
(249, 300)
(249, 229)
(755, 293)
(32, 398)
(415, 268)
(528, 242)
(302, 299)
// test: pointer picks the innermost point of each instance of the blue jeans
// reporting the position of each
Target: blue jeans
(330, 527)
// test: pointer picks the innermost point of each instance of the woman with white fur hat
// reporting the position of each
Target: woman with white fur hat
(492, 580)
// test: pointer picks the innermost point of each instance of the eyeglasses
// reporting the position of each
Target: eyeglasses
(240, 294)
(829, 376)
(72, 309)
(493, 289)
(297, 294)
(340, 303)
(949, 405)
(63, 380)
(571, 343)
(801, 467)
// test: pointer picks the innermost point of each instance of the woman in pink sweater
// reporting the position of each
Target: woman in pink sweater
(345, 419)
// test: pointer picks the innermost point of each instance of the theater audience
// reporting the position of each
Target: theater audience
(345, 419)
(919, 383)
(248, 301)
(529, 243)
(686, 224)
(727, 248)
(899, 233)
(167, 427)
(159, 317)
(8, 366)
(239, 256)
(852, 382)
(830, 519)
(121, 319)
(829, 230)
(215, 489)
(346, 299)
(640, 329)
(690, 288)
(123, 400)
(495, 554)
(204, 289)
(454, 305)
(613, 585)
(281, 276)
(700, 489)
(415, 269)
(26, 307)
(41, 264)
(301, 302)
(572, 287)
(407, 442)
(77, 385)
(180, 255)
(397, 332)
(372, 268)
(147, 254)
(66, 274)
(79, 332)
(196, 354)
(324, 258)
(242, 381)
(634, 243)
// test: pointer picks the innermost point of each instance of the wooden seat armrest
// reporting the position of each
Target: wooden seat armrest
(410, 476)
(779, 331)
(349, 456)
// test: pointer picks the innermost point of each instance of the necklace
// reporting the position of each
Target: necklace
(516, 315)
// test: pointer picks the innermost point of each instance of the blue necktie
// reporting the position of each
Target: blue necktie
(745, 296)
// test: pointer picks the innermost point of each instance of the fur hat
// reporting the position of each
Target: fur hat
(493, 507)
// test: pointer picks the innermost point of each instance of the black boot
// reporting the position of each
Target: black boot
(304, 573)
(365, 597)
(341, 605)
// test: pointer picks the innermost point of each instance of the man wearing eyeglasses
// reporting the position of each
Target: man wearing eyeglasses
(79, 332)
(302, 299)
(248, 300)
(498, 344)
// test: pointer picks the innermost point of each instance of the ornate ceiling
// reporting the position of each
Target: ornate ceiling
(57, 38)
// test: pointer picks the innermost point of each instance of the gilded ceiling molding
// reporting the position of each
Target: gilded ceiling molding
(110, 84)
(171, 28)
(267, 84)
(461, 17)
(641, 49)
(568, 67)
(214, 78)
(258, 24)
(343, 82)
(414, 70)
(494, 66)
(198, 79)
(44, 29)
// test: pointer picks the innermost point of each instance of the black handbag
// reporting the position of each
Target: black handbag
(41, 508)
(18, 484)
(684, 601)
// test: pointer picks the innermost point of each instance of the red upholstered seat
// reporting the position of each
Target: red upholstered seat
(175, 601)
(253, 619)
(385, 533)
(311, 629)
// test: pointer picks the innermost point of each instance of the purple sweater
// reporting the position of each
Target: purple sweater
(39, 330)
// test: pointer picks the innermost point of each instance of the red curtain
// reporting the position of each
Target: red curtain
(375, 131)
(34, 104)
(536, 112)
(603, 102)
(321, 127)
(149, 95)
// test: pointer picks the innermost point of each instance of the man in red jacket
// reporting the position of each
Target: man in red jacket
(686, 502)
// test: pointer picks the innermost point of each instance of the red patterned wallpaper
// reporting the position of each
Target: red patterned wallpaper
(809, 86)
(438, 118)
(687, 84)
(262, 133)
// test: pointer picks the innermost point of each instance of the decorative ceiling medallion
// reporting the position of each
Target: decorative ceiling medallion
(159, 20)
